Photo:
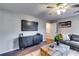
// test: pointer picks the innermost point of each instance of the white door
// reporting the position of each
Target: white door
(51, 29)
(54, 30)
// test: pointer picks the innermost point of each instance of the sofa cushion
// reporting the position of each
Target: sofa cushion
(74, 44)
(70, 36)
(66, 42)
(75, 37)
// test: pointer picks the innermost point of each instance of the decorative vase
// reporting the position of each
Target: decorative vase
(57, 43)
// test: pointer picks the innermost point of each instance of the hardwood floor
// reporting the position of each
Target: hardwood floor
(30, 49)
(24, 51)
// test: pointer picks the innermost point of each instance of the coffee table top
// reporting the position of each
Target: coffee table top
(62, 49)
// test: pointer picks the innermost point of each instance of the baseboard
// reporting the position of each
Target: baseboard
(9, 50)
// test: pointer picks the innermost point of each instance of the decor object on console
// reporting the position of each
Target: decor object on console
(27, 41)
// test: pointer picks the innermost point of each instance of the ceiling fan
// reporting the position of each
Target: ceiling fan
(62, 7)
(61, 4)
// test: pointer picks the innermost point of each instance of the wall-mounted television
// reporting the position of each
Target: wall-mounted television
(29, 25)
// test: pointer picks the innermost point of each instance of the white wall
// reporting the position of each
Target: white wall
(10, 27)
(74, 29)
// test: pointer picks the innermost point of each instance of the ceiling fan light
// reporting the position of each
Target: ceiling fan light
(64, 4)
(58, 12)
(60, 7)
(63, 10)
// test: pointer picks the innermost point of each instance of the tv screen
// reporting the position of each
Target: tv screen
(29, 25)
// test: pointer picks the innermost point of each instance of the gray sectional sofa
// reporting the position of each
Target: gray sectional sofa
(73, 42)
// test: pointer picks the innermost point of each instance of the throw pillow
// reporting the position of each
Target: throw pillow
(66, 37)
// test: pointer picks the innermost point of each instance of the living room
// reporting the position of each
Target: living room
(14, 18)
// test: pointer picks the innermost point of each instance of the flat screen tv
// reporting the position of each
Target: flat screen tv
(29, 25)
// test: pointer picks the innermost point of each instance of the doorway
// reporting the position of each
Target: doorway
(51, 29)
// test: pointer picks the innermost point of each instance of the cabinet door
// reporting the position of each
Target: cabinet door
(28, 41)
(37, 39)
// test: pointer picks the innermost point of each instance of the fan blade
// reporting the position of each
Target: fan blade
(49, 7)
(77, 5)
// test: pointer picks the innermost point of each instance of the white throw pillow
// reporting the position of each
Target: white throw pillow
(66, 37)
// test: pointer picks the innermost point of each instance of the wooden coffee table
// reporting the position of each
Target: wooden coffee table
(45, 50)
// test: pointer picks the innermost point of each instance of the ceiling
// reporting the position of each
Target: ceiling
(38, 10)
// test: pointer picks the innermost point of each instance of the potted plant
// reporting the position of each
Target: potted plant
(58, 38)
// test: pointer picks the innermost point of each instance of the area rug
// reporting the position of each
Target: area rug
(37, 53)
